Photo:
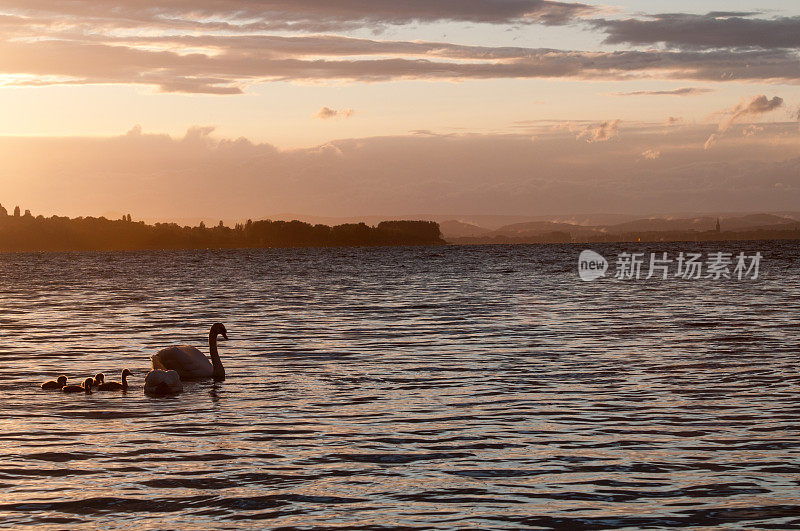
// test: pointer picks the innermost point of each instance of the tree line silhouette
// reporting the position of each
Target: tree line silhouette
(24, 232)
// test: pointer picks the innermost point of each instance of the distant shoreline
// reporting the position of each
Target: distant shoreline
(703, 228)
(652, 237)
(436, 245)
(26, 233)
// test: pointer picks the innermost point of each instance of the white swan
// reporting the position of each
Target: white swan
(158, 382)
(189, 362)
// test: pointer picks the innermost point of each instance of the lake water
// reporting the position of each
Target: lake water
(430, 387)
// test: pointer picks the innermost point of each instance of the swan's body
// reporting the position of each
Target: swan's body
(58, 383)
(85, 388)
(159, 382)
(189, 362)
(116, 386)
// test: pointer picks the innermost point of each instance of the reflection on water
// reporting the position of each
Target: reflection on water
(429, 387)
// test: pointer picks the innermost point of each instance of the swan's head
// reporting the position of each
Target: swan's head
(126, 372)
(62, 380)
(218, 329)
(98, 378)
(88, 383)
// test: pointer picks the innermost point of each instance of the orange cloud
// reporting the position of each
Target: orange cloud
(326, 113)
(687, 91)
(600, 132)
(144, 173)
(755, 106)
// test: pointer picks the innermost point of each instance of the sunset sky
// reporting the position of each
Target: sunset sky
(241, 108)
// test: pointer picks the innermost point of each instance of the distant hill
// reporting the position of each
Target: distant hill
(755, 220)
(536, 228)
(661, 225)
(458, 229)
(750, 221)
(647, 229)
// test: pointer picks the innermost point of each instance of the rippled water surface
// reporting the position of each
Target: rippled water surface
(430, 387)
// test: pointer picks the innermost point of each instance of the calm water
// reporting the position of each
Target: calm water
(452, 387)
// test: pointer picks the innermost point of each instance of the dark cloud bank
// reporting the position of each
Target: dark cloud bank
(556, 173)
(222, 46)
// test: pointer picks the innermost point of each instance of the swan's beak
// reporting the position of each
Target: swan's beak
(225, 336)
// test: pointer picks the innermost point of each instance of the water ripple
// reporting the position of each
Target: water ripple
(483, 387)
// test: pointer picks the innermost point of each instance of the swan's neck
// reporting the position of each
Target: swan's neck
(219, 370)
(125, 381)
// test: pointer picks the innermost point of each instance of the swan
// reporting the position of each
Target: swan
(58, 383)
(189, 362)
(85, 388)
(159, 382)
(99, 378)
(116, 386)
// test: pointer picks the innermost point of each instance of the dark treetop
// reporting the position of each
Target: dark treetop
(28, 233)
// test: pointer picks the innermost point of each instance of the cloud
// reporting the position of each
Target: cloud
(86, 46)
(752, 130)
(673, 120)
(197, 133)
(599, 132)
(687, 91)
(326, 113)
(400, 175)
(143, 173)
(712, 140)
(291, 15)
(712, 30)
(651, 154)
(755, 106)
